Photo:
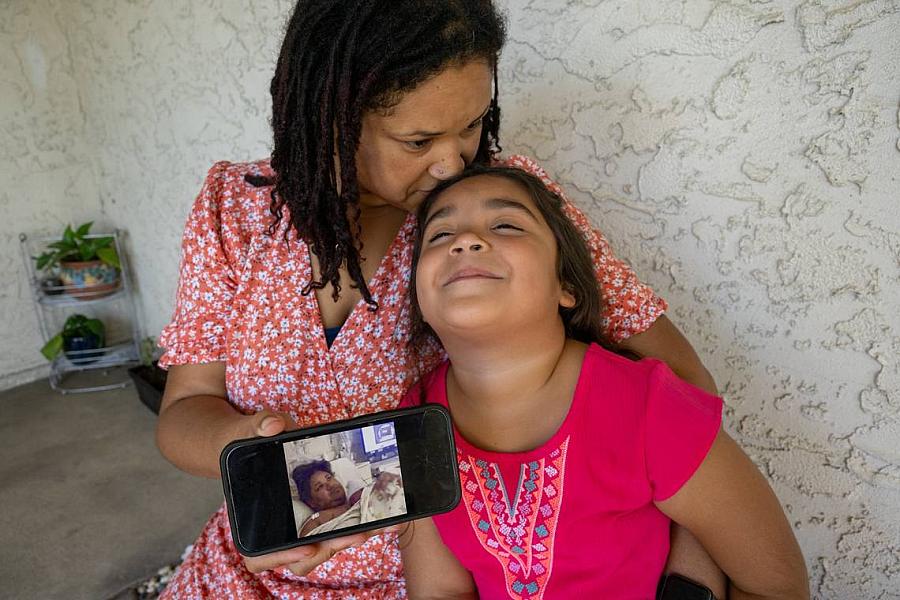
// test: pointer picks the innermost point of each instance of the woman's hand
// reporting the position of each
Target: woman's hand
(303, 559)
(267, 423)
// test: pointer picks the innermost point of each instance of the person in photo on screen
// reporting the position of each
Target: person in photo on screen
(336, 507)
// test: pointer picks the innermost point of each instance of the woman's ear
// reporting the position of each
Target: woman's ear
(567, 296)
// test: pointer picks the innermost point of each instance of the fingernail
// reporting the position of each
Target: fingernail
(268, 422)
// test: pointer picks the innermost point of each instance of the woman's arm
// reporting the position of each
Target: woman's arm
(431, 570)
(196, 421)
(734, 513)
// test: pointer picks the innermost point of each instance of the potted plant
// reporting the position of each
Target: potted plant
(149, 379)
(86, 266)
(81, 339)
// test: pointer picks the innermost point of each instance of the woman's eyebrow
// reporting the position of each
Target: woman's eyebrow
(424, 133)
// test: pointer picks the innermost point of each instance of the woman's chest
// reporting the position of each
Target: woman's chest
(278, 357)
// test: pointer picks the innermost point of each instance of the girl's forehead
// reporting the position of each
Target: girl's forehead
(476, 193)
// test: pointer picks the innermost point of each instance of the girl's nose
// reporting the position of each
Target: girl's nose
(467, 242)
(447, 167)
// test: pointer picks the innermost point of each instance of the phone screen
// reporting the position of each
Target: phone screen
(370, 472)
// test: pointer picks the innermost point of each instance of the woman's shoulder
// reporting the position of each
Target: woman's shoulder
(239, 192)
(241, 181)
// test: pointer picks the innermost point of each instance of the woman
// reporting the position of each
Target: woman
(374, 103)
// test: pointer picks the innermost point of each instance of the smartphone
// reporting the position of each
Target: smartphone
(309, 485)
(676, 587)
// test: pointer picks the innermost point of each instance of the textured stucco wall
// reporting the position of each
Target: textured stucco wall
(744, 156)
(46, 172)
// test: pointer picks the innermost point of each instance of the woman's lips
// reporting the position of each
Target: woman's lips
(470, 273)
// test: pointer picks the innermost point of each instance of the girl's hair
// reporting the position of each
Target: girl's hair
(339, 60)
(574, 266)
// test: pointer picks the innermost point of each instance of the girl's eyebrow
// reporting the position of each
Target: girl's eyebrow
(490, 203)
(439, 214)
(423, 133)
(498, 203)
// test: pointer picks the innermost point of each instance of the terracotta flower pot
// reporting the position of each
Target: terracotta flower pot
(89, 279)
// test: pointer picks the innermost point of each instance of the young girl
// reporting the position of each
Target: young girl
(573, 460)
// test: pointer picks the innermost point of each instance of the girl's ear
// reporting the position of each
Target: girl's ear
(567, 296)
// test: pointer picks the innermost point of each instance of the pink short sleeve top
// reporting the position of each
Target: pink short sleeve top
(575, 517)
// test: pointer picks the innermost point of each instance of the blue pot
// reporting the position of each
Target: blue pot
(81, 343)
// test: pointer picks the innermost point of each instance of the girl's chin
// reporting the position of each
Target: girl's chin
(470, 324)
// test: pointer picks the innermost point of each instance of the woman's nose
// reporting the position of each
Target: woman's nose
(447, 167)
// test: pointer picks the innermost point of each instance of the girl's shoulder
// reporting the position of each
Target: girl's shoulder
(643, 384)
(611, 366)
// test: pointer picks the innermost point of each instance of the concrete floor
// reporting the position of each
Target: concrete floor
(87, 504)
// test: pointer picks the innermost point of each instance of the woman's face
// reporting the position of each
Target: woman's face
(488, 260)
(325, 491)
(429, 135)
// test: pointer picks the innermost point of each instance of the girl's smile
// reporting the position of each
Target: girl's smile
(470, 274)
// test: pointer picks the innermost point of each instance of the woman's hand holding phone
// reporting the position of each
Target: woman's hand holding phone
(267, 423)
(301, 560)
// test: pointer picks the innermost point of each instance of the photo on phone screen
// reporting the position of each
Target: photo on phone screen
(344, 479)
(312, 484)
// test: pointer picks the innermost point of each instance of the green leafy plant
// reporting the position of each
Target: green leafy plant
(75, 245)
(75, 326)
(148, 351)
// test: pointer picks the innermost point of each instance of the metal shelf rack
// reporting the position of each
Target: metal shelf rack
(115, 307)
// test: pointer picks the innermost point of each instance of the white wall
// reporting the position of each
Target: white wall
(47, 177)
(742, 155)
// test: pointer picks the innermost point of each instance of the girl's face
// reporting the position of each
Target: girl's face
(488, 260)
(430, 135)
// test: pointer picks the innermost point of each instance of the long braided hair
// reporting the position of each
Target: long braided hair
(339, 60)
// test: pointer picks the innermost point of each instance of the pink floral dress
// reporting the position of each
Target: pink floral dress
(240, 301)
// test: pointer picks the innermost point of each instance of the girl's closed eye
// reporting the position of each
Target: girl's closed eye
(508, 227)
(437, 236)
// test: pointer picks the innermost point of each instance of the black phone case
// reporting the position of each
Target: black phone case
(325, 429)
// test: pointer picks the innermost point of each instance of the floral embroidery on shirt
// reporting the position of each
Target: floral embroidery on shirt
(519, 534)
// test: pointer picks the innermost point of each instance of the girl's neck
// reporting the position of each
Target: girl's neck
(512, 397)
